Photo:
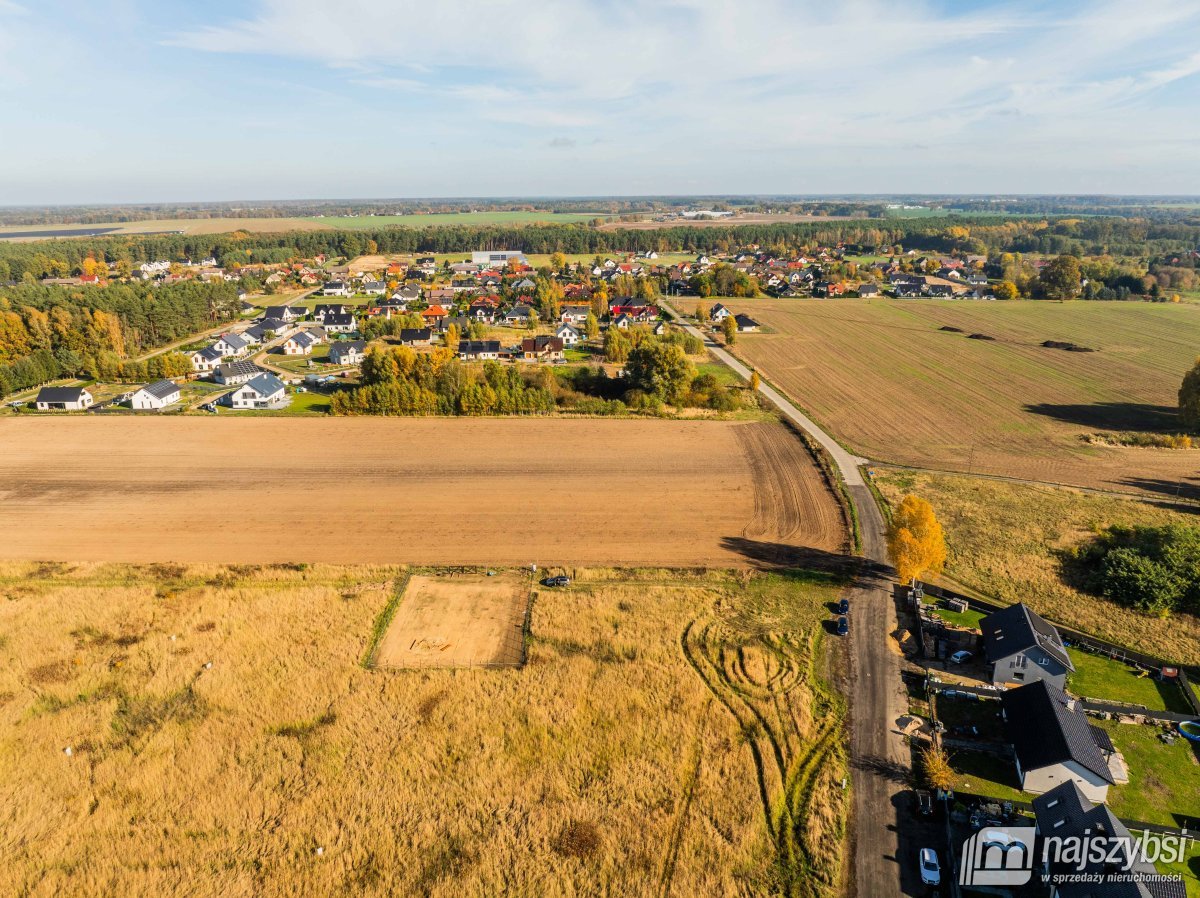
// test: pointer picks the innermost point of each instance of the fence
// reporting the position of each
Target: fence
(1098, 647)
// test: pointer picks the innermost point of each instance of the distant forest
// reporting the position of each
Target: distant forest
(1100, 235)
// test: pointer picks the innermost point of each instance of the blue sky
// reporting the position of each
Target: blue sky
(133, 100)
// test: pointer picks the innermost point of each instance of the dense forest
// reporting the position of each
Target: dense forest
(49, 332)
(1083, 236)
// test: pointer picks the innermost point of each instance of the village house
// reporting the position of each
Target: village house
(746, 324)
(323, 309)
(231, 345)
(1023, 647)
(719, 313)
(518, 315)
(156, 395)
(482, 310)
(868, 289)
(207, 359)
(347, 352)
(574, 314)
(233, 373)
(339, 324)
(282, 313)
(71, 399)
(1054, 742)
(569, 335)
(434, 314)
(439, 295)
(264, 391)
(478, 350)
(499, 257)
(301, 343)
(337, 288)
(542, 347)
(416, 336)
(373, 288)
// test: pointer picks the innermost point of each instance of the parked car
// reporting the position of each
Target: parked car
(924, 803)
(844, 606)
(843, 626)
(557, 581)
(961, 657)
(931, 870)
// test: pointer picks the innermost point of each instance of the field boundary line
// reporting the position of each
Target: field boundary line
(383, 620)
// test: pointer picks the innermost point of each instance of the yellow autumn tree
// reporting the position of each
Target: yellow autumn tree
(939, 773)
(916, 543)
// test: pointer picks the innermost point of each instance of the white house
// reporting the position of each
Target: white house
(231, 344)
(1054, 742)
(265, 391)
(157, 395)
(568, 335)
(374, 288)
(339, 324)
(348, 352)
(63, 399)
(719, 313)
(233, 373)
(337, 288)
(207, 359)
(301, 343)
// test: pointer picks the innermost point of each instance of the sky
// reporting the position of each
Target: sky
(106, 101)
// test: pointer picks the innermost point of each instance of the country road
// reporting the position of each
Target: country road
(884, 859)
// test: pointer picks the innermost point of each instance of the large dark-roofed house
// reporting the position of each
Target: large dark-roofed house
(63, 399)
(1064, 814)
(157, 395)
(1023, 648)
(1055, 742)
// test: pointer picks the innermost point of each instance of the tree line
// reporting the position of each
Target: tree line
(50, 332)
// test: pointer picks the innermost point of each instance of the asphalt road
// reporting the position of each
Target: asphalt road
(886, 834)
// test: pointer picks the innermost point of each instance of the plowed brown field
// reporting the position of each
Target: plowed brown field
(885, 379)
(431, 491)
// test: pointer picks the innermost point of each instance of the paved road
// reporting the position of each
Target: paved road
(885, 847)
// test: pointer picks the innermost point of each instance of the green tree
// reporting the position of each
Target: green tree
(729, 329)
(1061, 278)
(660, 369)
(616, 346)
(1189, 399)
(591, 326)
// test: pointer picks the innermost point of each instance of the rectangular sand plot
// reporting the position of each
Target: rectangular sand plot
(458, 620)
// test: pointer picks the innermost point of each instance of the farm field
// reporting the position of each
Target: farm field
(225, 739)
(1008, 541)
(893, 386)
(186, 225)
(444, 219)
(747, 219)
(262, 489)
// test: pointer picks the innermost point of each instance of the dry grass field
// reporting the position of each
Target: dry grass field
(428, 491)
(748, 219)
(457, 620)
(1007, 540)
(893, 386)
(186, 225)
(668, 735)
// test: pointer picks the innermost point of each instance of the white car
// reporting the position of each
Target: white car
(931, 870)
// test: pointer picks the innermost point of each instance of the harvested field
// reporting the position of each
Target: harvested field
(901, 381)
(158, 225)
(428, 491)
(606, 765)
(458, 620)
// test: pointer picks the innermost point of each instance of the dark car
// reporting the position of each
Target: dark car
(557, 581)
(843, 626)
(924, 803)
(844, 606)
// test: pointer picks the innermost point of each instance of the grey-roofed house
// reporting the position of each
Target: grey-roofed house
(63, 399)
(568, 334)
(339, 324)
(1065, 818)
(233, 373)
(337, 288)
(263, 391)
(1023, 647)
(322, 309)
(156, 395)
(284, 313)
(746, 324)
(207, 359)
(348, 352)
(301, 343)
(1054, 742)
(518, 314)
(231, 344)
(416, 336)
(374, 288)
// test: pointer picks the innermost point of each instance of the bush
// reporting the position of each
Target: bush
(1152, 569)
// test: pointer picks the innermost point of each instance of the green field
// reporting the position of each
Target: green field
(1164, 780)
(447, 219)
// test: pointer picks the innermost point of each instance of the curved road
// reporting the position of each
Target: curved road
(884, 860)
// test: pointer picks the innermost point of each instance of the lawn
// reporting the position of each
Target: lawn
(1164, 780)
(1188, 868)
(1008, 541)
(212, 708)
(893, 383)
(981, 773)
(306, 403)
(447, 219)
(1108, 680)
(968, 619)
